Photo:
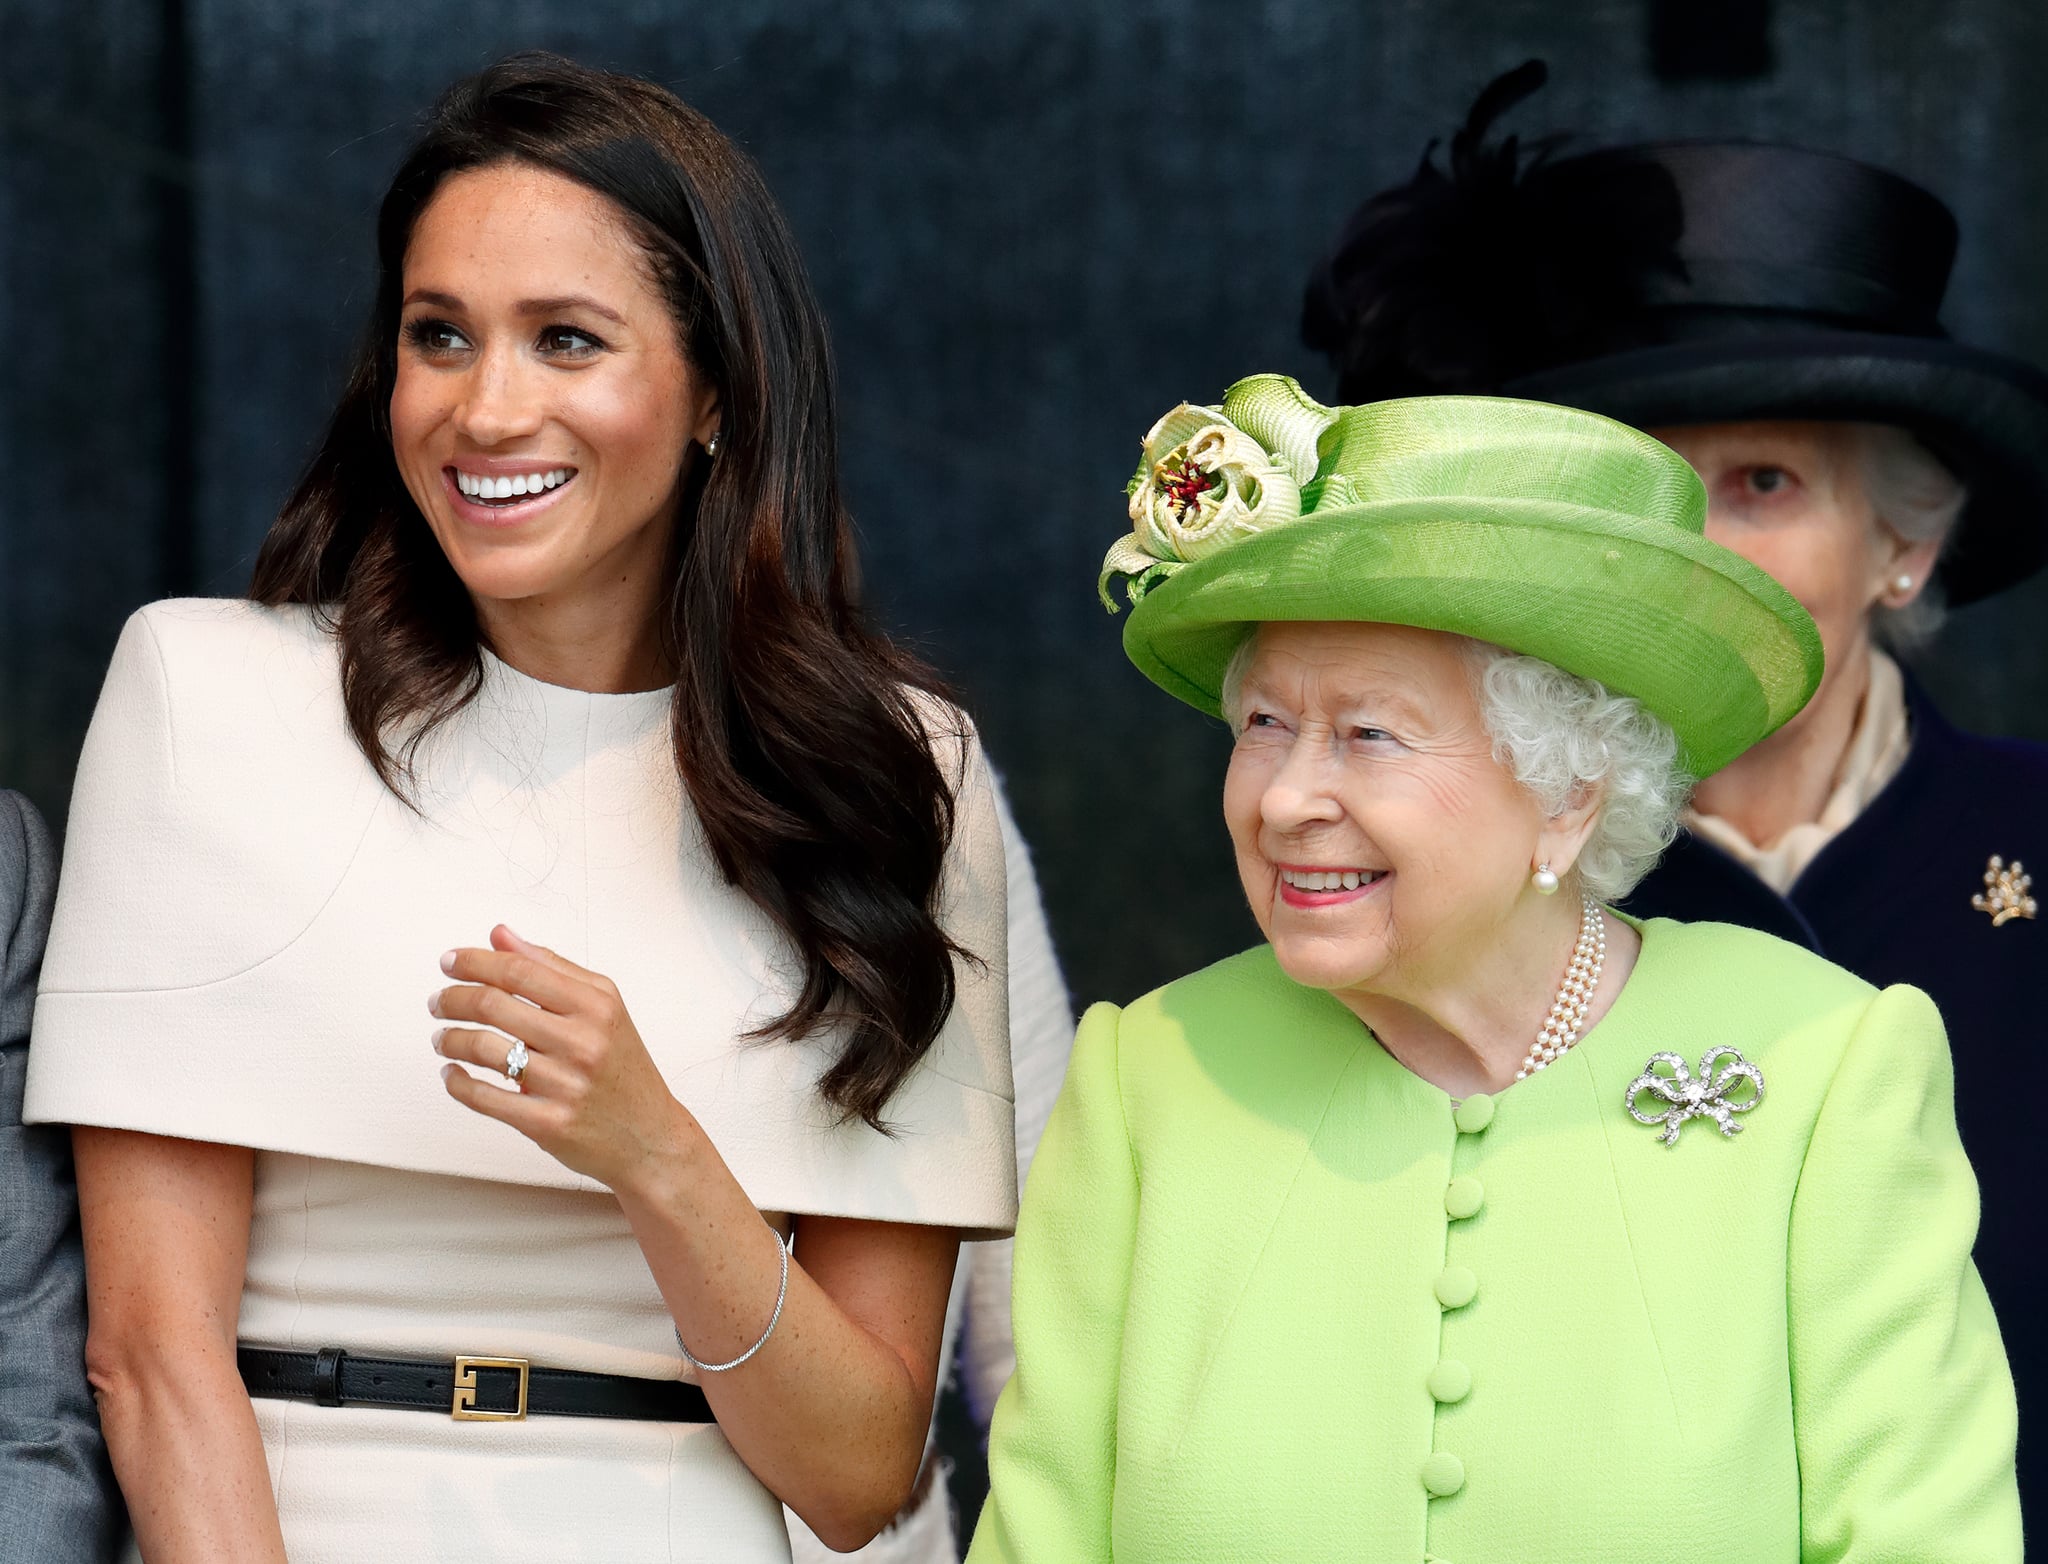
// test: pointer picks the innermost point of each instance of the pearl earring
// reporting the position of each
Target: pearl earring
(1544, 879)
(1902, 585)
(711, 445)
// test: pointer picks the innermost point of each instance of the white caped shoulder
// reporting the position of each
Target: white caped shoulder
(218, 771)
(250, 921)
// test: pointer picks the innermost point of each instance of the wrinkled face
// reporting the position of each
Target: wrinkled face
(543, 406)
(1381, 845)
(1789, 498)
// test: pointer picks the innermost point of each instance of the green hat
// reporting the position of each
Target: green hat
(1551, 532)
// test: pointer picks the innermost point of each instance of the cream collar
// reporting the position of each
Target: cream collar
(1877, 748)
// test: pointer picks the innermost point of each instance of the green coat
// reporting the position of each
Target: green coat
(1242, 1313)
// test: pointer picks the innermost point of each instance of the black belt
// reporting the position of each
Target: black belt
(494, 1390)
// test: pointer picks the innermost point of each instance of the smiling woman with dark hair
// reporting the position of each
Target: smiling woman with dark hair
(556, 636)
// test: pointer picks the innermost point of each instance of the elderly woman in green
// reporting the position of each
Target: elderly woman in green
(1464, 1219)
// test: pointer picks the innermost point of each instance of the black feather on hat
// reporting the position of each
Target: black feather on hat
(1469, 275)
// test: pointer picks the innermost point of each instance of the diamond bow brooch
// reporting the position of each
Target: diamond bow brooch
(1715, 1094)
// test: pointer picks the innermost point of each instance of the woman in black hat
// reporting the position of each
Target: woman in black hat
(1772, 314)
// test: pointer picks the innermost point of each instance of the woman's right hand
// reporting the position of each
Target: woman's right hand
(166, 1226)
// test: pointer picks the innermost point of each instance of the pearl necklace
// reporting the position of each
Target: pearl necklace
(1574, 994)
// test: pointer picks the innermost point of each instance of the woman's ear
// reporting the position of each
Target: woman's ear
(1903, 569)
(710, 416)
(1565, 834)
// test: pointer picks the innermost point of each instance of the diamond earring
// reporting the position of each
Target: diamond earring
(1544, 879)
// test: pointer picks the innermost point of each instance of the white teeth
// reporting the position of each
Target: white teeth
(514, 487)
(1327, 879)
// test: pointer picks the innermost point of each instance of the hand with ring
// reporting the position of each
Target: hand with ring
(588, 1092)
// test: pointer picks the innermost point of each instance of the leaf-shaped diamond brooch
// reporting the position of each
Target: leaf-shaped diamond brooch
(1713, 1094)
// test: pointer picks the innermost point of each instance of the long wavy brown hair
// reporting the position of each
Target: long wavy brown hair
(798, 731)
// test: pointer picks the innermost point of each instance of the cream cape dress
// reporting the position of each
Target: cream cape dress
(246, 934)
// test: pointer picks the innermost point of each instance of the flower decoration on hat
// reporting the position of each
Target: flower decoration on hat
(1213, 475)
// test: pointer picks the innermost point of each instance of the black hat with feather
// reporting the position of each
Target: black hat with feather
(1687, 283)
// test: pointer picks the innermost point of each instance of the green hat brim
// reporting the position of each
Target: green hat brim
(1705, 640)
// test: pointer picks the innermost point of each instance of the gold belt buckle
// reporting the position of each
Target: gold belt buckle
(465, 1409)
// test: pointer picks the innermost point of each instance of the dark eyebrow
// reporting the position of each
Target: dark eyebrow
(440, 301)
(553, 306)
(569, 301)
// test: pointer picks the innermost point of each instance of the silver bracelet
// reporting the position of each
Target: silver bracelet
(781, 1293)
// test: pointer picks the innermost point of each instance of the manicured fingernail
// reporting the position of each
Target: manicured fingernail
(440, 1036)
(448, 962)
(434, 1003)
(448, 1071)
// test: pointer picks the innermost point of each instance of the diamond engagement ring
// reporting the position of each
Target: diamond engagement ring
(515, 1061)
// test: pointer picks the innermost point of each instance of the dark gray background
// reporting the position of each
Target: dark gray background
(1035, 225)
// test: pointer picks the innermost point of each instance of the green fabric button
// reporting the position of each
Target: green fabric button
(1456, 1287)
(1463, 1197)
(1473, 1114)
(1443, 1475)
(1450, 1381)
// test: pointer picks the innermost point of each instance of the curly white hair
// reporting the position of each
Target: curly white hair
(1560, 736)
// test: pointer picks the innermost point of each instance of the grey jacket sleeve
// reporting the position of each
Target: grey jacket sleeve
(1041, 1038)
(58, 1503)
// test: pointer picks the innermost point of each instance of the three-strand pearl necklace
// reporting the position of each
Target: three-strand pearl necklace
(1574, 994)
